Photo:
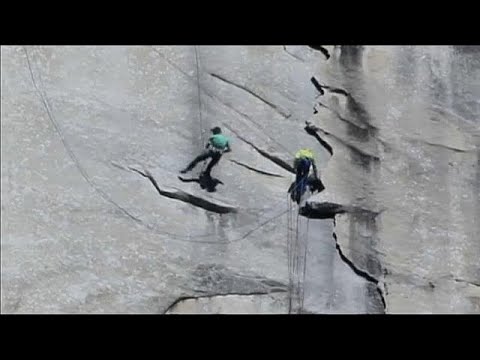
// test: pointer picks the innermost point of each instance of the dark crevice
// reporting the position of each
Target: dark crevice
(273, 106)
(358, 271)
(275, 159)
(337, 90)
(311, 130)
(466, 282)
(320, 88)
(362, 155)
(183, 298)
(317, 85)
(186, 197)
(328, 210)
(324, 210)
(321, 49)
(256, 170)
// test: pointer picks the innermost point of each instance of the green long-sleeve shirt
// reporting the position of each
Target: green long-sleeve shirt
(219, 141)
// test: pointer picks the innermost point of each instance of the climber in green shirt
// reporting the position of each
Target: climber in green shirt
(216, 146)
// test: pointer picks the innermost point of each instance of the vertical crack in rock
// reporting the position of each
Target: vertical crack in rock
(273, 106)
(186, 197)
(256, 170)
(359, 272)
(326, 210)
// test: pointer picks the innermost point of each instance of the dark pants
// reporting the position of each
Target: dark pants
(302, 167)
(214, 155)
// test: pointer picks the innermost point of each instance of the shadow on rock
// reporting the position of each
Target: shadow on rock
(206, 182)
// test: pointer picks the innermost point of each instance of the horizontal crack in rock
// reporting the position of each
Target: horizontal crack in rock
(186, 197)
(328, 210)
(183, 298)
(256, 170)
(442, 146)
(324, 210)
(275, 159)
(273, 106)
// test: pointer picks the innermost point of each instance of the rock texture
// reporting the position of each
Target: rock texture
(95, 220)
(404, 174)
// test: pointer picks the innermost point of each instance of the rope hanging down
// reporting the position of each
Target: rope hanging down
(297, 259)
(302, 294)
(199, 95)
(289, 254)
(200, 119)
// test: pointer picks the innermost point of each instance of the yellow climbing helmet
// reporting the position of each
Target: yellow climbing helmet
(304, 153)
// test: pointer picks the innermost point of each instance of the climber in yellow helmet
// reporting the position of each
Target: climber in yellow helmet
(304, 159)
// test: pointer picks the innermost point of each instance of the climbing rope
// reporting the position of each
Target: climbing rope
(40, 89)
(288, 253)
(199, 96)
(297, 259)
(291, 254)
(302, 295)
(200, 118)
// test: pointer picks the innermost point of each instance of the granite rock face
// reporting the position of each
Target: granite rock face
(95, 220)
